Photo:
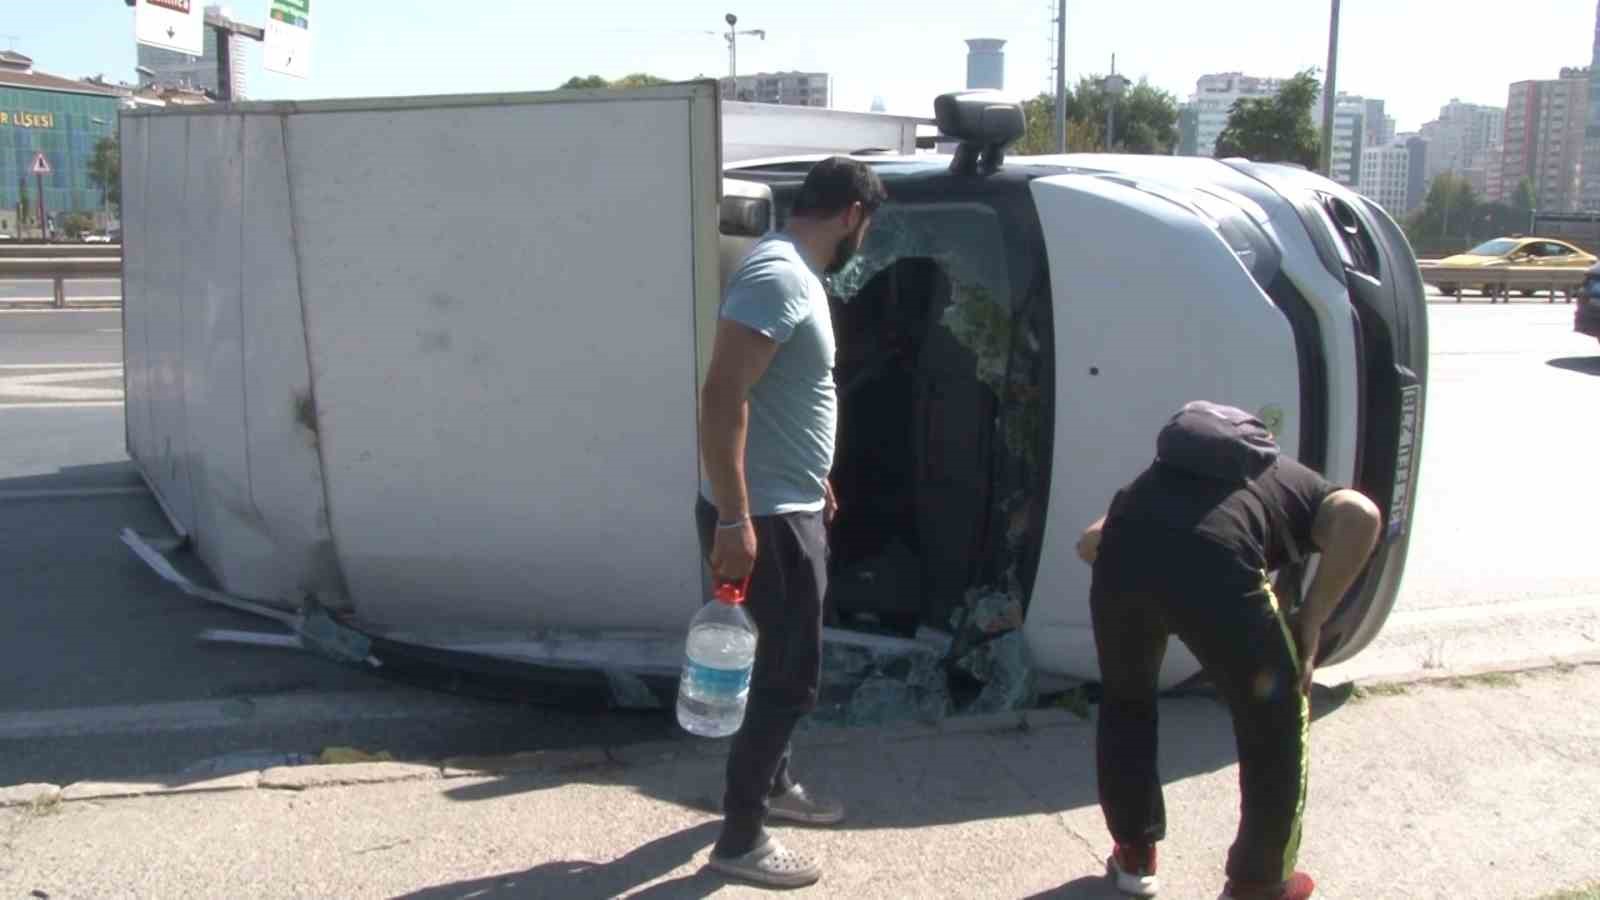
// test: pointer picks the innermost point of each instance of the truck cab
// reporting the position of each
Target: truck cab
(1013, 334)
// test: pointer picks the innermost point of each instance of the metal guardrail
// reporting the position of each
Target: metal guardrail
(9, 250)
(60, 270)
(1498, 282)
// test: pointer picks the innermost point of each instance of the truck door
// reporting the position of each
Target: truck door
(1153, 308)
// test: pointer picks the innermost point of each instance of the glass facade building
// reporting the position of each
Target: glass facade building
(61, 118)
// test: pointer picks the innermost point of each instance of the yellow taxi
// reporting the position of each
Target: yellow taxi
(1517, 251)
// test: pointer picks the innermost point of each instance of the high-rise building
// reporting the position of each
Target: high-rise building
(783, 88)
(1417, 173)
(1494, 175)
(168, 68)
(1379, 126)
(1545, 140)
(986, 64)
(1590, 201)
(1466, 139)
(1189, 130)
(1206, 113)
(1349, 140)
(1386, 177)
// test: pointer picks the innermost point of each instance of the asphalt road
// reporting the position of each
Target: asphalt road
(104, 677)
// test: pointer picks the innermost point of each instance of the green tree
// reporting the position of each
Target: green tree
(1523, 200)
(637, 80)
(1040, 114)
(105, 171)
(1146, 117)
(74, 225)
(24, 204)
(1492, 220)
(1275, 129)
(1451, 210)
(595, 82)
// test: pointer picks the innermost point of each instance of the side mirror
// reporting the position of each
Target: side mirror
(985, 122)
(746, 216)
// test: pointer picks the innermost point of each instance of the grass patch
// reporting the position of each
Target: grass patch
(1368, 691)
(1487, 679)
(1592, 892)
(46, 806)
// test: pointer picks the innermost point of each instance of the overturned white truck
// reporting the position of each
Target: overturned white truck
(424, 371)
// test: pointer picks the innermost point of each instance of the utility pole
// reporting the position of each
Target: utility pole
(1329, 97)
(1061, 76)
(44, 221)
(732, 35)
(1112, 86)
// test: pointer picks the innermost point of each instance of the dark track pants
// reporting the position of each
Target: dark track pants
(785, 600)
(1146, 587)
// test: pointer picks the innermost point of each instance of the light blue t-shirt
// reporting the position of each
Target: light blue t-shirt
(794, 407)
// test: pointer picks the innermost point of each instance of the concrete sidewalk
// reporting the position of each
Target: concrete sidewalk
(1483, 787)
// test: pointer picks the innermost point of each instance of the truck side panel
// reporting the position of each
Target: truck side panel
(433, 359)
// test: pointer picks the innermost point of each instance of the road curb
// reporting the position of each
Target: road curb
(303, 778)
(1437, 677)
(527, 762)
(642, 755)
(176, 785)
(29, 795)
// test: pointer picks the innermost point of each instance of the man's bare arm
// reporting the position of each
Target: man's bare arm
(738, 359)
(1345, 531)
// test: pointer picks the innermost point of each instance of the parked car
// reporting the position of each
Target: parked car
(1586, 319)
(1517, 251)
(96, 238)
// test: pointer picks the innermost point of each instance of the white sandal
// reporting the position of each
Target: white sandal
(770, 864)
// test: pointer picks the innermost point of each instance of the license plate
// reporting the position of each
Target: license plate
(1405, 461)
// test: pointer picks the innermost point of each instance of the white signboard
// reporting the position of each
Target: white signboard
(288, 44)
(171, 25)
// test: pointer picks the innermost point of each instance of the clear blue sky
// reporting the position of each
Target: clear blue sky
(1410, 52)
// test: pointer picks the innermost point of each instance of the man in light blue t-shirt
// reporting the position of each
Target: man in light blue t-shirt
(769, 413)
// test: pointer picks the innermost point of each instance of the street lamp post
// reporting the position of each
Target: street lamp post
(733, 51)
(1061, 77)
(1329, 99)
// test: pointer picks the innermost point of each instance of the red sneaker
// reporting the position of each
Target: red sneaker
(1298, 887)
(1134, 870)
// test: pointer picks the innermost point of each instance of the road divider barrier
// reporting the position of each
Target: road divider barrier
(1498, 282)
(58, 270)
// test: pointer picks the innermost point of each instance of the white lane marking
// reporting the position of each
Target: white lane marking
(106, 298)
(72, 493)
(53, 385)
(43, 366)
(243, 712)
(79, 404)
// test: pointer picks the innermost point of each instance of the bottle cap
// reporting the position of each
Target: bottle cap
(731, 592)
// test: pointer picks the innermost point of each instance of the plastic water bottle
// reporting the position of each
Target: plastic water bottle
(719, 654)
